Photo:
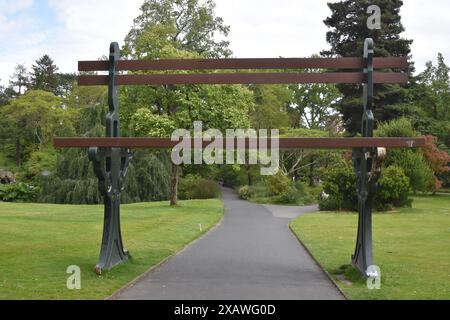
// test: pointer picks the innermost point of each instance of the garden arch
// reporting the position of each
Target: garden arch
(112, 154)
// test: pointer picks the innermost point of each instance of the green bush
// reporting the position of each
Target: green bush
(18, 192)
(412, 162)
(393, 189)
(414, 166)
(246, 192)
(339, 183)
(278, 184)
(195, 187)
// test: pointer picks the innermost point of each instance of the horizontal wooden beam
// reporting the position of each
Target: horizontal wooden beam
(244, 78)
(261, 63)
(284, 143)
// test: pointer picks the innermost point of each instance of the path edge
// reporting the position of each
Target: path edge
(316, 261)
(130, 284)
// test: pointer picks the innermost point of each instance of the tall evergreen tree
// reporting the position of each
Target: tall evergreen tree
(348, 24)
(44, 75)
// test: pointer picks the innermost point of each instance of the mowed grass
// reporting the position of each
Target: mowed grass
(411, 246)
(39, 241)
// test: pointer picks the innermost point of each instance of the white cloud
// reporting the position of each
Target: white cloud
(8, 6)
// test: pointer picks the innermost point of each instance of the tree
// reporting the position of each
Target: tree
(44, 75)
(270, 106)
(189, 25)
(311, 105)
(348, 23)
(183, 29)
(36, 117)
(19, 80)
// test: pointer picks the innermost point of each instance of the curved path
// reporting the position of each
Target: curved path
(251, 255)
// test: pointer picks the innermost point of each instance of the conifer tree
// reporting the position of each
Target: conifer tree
(348, 24)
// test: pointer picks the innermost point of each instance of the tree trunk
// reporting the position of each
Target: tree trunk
(174, 185)
(18, 153)
(311, 175)
(249, 175)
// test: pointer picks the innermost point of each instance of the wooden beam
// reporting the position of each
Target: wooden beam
(261, 63)
(244, 78)
(284, 143)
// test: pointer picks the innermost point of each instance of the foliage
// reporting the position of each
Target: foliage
(196, 187)
(246, 192)
(400, 127)
(270, 106)
(339, 185)
(189, 24)
(311, 104)
(18, 192)
(415, 167)
(39, 162)
(346, 40)
(145, 123)
(393, 188)
(437, 160)
(278, 184)
(411, 161)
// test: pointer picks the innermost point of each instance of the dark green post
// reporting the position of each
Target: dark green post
(363, 160)
(110, 166)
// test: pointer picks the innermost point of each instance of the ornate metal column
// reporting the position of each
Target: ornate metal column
(110, 167)
(363, 160)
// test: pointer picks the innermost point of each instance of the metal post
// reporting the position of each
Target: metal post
(110, 167)
(363, 160)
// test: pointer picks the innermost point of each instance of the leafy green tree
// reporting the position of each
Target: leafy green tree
(190, 25)
(271, 102)
(348, 24)
(182, 29)
(36, 117)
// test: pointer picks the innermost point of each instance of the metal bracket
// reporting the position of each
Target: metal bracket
(363, 160)
(110, 167)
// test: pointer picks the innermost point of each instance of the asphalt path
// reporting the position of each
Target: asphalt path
(251, 255)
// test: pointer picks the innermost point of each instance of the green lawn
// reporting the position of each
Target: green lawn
(411, 246)
(39, 241)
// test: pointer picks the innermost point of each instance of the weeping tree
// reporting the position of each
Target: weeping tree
(73, 180)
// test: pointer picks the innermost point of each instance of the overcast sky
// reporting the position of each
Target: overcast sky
(72, 30)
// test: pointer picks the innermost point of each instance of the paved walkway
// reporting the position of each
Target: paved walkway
(252, 254)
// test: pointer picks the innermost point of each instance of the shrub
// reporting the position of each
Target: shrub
(339, 183)
(246, 192)
(393, 188)
(414, 166)
(401, 127)
(18, 192)
(195, 187)
(278, 184)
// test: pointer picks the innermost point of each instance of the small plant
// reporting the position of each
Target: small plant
(18, 192)
(340, 187)
(246, 192)
(196, 187)
(278, 184)
(393, 189)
